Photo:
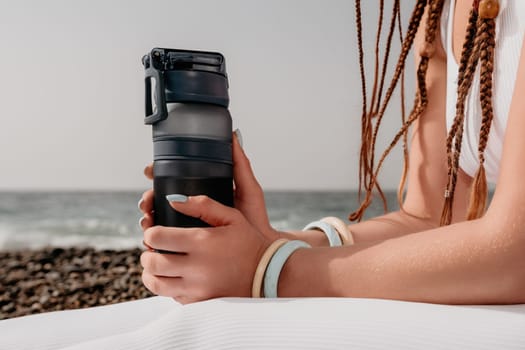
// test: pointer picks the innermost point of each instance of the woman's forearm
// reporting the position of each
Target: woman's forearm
(391, 225)
(465, 263)
(380, 228)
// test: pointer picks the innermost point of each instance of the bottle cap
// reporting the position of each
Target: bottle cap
(183, 76)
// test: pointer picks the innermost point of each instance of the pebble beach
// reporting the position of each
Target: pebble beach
(45, 267)
(51, 279)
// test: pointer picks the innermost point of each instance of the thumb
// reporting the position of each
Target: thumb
(243, 176)
(148, 171)
(204, 208)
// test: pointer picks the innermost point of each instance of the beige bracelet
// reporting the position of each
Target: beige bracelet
(341, 228)
(263, 264)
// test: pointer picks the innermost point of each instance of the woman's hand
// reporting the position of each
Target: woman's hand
(211, 261)
(214, 261)
(248, 194)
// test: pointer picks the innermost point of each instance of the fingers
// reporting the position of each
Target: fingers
(148, 171)
(185, 289)
(164, 286)
(146, 222)
(174, 239)
(242, 171)
(204, 208)
(174, 287)
(164, 265)
(146, 202)
(146, 207)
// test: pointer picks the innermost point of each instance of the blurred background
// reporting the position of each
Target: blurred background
(72, 102)
(71, 92)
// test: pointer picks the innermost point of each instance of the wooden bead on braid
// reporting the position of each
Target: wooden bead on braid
(488, 9)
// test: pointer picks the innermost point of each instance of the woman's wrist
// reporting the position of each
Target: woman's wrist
(296, 278)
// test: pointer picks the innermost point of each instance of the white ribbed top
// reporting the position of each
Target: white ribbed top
(510, 29)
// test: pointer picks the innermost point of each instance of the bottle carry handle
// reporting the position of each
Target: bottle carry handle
(161, 112)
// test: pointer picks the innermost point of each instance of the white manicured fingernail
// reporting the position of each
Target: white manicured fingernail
(141, 220)
(239, 136)
(140, 203)
(180, 198)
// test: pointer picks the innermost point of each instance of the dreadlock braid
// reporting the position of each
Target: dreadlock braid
(487, 33)
(421, 98)
(365, 122)
(376, 67)
(478, 48)
(482, 46)
(366, 117)
(467, 67)
(402, 181)
(395, 13)
(365, 169)
(409, 40)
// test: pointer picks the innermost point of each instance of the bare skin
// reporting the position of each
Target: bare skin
(400, 255)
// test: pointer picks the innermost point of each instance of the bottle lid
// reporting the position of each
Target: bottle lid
(183, 76)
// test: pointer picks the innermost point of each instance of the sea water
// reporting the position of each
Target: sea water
(109, 220)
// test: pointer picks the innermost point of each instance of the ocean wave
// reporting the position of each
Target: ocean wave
(92, 233)
(110, 220)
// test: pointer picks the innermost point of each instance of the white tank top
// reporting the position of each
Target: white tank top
(510, 29)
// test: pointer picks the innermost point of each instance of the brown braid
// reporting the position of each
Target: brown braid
(478, 194)
(467, 66)
(483, 46)
(396, 19)
(363, 158)
(478, 47)
(409, 39)
(392, 27)
(407, 44)
(402, 181)
(376, 66)
(366, 127)
(376, 96)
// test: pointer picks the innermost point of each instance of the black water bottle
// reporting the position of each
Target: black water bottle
(187, 106)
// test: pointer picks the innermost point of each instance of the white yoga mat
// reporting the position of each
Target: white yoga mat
(235, 323)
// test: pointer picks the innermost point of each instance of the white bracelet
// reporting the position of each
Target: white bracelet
(271, 276)
(342, 228)
(329, 230)
(263, 265)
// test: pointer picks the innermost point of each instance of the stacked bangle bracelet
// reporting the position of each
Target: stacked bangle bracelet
(266, 277)
(341, 227)
(271, 265)
(331, 233)
(271, 277)
(335, 230)
(263, 264)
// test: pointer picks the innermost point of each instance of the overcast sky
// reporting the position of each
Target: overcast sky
(71, 91)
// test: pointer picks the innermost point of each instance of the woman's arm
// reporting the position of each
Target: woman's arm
(427, 171)
(426, 178)
(480, 261)
(472, 262)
